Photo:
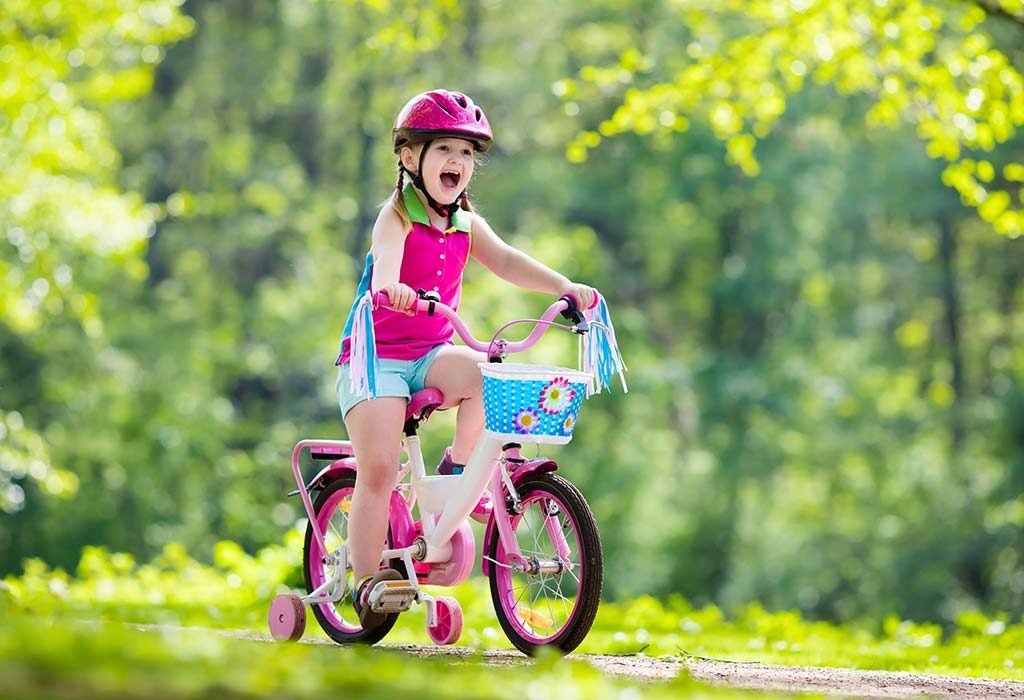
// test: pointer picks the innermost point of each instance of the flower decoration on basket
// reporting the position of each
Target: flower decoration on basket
(557, 396)
(526, 420)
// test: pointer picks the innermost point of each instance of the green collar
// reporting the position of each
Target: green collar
(418, 213)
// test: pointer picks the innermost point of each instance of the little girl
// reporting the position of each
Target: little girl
(422, 239)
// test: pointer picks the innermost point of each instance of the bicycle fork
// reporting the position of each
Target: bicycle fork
(505, 509)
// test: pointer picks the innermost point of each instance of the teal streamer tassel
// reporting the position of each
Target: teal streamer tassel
(601, 355)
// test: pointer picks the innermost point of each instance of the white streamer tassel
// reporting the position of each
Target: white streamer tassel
(364, 367)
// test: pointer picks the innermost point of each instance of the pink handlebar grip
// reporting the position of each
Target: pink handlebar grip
(576, 301)
(381, 299)
(420, 306)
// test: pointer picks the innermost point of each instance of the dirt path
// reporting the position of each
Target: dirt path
(843, 682)
(794, 679)
(852, 682)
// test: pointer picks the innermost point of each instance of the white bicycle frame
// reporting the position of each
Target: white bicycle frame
(451, 500)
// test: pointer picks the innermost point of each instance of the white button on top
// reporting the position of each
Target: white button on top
(440, 240)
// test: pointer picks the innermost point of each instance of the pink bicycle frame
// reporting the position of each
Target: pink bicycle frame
(500, 517)
(400, 515)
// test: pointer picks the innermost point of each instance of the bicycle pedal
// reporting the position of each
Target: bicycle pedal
(392, 596)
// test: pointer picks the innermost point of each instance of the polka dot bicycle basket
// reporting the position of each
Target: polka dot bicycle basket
(532, 403)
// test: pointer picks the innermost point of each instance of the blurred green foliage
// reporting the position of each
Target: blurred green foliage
(933, 66)
(69, 231)
(58, 658)
(827, 373)
(110, 592)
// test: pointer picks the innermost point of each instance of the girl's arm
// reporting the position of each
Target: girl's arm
(388, 247)
(520, 269)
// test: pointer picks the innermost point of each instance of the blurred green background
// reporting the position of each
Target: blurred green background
(803, 215)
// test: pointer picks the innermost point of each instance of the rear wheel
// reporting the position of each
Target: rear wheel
(554, 607)
(338, 619)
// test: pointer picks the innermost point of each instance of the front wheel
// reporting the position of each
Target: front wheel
(555, 606)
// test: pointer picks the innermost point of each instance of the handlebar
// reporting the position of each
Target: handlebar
(567, 306)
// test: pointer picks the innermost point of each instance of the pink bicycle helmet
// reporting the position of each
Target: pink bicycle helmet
(441, 113)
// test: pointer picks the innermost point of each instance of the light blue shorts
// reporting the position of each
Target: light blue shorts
(397, 378)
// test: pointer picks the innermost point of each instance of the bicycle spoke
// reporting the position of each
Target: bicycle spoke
(526, 589)
(547, 601)
(541, 591)
(333, 530)
(555, 605)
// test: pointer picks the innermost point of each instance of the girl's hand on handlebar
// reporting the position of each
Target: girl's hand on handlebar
(401, 297)
(585, 296)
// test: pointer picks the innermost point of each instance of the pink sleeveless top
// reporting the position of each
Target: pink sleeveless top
(433, 260)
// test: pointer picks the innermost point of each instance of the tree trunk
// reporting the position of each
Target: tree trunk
(951, 304)
(307, 120)
(363, 95)
(471, 27)
(362, 101)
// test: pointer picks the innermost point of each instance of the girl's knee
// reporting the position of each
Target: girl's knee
(472, 381)
(471, 387)
(377, 475)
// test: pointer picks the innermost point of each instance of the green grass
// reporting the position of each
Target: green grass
(52, 658)
(64, 636)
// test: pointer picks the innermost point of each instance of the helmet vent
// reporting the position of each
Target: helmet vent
(461, 99)
(478, 114)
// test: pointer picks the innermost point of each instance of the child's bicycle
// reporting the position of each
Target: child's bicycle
(541, 549)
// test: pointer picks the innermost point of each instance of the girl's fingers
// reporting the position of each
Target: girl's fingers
(408, 298)
(401, 298)
(398, 296)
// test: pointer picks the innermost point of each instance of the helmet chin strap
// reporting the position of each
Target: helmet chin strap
(445, 210)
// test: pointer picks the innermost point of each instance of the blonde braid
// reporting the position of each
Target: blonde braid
(397, 199)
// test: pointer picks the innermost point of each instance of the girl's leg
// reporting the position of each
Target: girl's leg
(455, 372)
(375, 429)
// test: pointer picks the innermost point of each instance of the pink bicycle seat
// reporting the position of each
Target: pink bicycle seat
(423, 403)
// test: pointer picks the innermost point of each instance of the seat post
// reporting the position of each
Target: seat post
(411, 426)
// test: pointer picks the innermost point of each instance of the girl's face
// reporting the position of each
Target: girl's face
(447, 166)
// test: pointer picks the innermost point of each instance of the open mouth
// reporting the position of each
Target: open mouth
(450, 178)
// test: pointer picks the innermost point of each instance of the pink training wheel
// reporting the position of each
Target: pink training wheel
(449, 622)
(287, 618)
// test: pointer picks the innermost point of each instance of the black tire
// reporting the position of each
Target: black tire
(343, 606)
(587, 552)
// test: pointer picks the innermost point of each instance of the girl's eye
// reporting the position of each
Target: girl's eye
(467, 152)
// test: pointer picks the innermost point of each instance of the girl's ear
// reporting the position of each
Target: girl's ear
(409, 158)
